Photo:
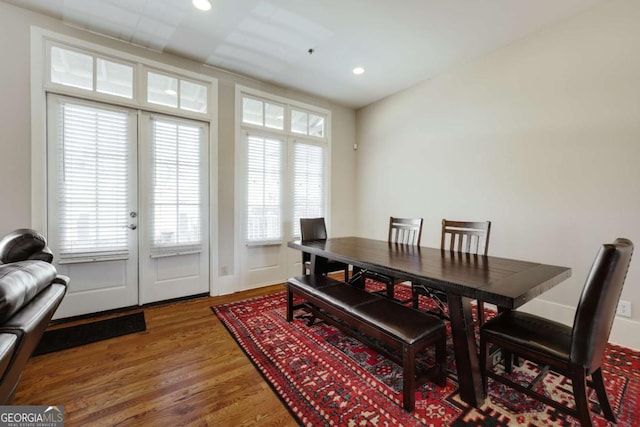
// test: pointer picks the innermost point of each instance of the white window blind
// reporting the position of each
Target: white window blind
(93, 181)
(177, 184)
(264, 175)
(308, 183)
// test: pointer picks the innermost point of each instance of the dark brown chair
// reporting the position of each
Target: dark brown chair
(464, 237)
(316, 229)
(575, 352)
(405, 231)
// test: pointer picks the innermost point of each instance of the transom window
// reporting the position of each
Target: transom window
(306, 123)
(85, 71)
(262, 113)
(170, 91)
(90, 72)
(271, 115)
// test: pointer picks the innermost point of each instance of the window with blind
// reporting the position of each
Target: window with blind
(264, 187)
(308, 183)
(286, 170)
(92, 180)
(176, 186)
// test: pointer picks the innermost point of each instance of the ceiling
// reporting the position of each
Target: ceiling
(399, 43)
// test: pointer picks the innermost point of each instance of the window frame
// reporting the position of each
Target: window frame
(40, 86)
(287, 208)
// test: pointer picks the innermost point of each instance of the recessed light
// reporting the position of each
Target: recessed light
(358, 70)
(202, 4)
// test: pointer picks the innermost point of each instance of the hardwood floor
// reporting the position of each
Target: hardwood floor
(185, 369)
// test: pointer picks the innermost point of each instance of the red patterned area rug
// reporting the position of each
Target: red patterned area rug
(327, 378)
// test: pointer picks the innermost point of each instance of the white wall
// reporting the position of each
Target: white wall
(541, 137)
(15, 124)
(15, 178)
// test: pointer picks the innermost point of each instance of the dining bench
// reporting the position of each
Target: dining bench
(374, 319)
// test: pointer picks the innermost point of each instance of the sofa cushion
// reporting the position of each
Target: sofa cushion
(20, 282)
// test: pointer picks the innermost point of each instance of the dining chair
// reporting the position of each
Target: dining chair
(316, 229)
(402, 231)
(471, 237)
(573, 351)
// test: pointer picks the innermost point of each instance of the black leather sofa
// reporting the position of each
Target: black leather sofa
(30, 292)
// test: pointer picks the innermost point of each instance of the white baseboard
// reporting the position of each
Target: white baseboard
(229, 284)
(625, 332)
(226, 285)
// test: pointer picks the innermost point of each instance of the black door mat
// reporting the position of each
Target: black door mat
(73, 336)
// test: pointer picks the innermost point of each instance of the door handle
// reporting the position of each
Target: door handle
(132, 226)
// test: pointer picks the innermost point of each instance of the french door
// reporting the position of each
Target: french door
(174, 202)
(127, 205)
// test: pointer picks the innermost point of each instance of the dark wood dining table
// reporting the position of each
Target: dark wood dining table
(507, 283)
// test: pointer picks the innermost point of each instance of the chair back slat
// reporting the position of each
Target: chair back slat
(406, 231)
(598, 302)
(466, 236)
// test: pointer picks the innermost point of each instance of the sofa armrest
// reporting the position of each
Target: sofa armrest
(7, 349)
(28, 325)
(62, 280)
(20, 282)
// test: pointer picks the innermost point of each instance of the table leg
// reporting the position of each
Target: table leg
(289, 304)
(318, 264)
(357, 279)
(466, 350)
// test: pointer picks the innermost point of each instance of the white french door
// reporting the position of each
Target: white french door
(174, 260)
(92, 203)
(127, 205)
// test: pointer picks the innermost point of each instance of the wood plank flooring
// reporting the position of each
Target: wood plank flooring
(185, 369)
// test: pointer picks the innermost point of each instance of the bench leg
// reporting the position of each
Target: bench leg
(390, 289)
(289, 304)
(409, 377)
(415, 296)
